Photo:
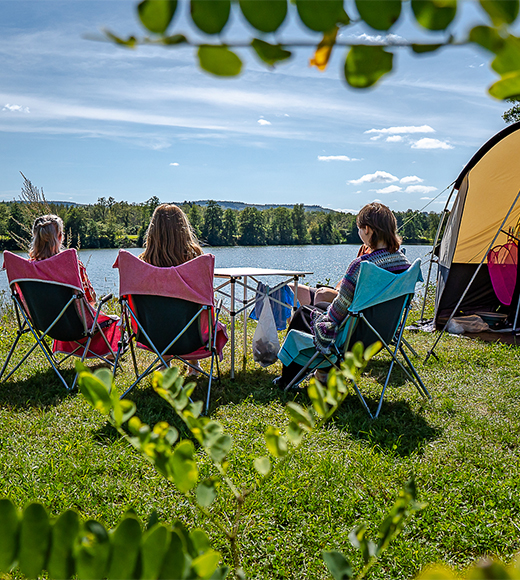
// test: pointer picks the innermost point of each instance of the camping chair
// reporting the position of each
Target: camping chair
(49, 303)
(170, 312)
(378, 313)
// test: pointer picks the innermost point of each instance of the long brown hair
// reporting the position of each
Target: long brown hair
(169, 240)
(380, 218)
(47, 232)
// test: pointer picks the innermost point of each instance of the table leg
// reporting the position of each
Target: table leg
(232, 316)
(244, 313)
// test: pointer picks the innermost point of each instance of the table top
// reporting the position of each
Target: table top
(242, 272)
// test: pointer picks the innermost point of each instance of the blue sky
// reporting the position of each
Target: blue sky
(86, 119)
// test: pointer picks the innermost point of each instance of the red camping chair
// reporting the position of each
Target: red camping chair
(170, 312)
(50, 303)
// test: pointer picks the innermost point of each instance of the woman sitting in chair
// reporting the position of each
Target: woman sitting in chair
(47, 241)
(170, 241)
(377, 229)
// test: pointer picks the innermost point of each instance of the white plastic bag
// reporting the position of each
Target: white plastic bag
(265, 340)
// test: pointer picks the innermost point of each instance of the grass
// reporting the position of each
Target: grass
(463, 449)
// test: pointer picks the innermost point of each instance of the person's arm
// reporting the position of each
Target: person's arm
(90, 293)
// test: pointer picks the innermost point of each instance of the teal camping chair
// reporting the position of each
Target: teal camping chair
(378, 311)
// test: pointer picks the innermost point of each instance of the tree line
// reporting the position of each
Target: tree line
(109, 224)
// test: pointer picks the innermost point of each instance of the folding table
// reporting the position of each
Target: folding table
(234, 276)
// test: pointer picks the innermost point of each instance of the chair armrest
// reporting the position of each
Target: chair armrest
(105, 298)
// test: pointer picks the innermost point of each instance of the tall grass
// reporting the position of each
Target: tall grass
(462, 448)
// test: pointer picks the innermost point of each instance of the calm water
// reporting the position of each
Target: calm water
(328, 263)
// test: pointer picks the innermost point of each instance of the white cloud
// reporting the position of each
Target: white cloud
(389, 189)
(420, 189)
(264, 122)
(174, 164)
(411, 179)
(402, 130)
(427, 143)
(394, 139)
(335, 158)
(377, 177)
(426, 198)
(379, 38)
(15, 108)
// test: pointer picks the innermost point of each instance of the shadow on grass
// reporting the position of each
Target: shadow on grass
(41, 389)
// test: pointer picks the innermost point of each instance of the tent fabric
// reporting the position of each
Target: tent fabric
(487, 188)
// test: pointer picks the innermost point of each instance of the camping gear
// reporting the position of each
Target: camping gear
(265, 340)
(50, 303)
(171, 313)
(378, 312)
(281, 300)
(485, 210)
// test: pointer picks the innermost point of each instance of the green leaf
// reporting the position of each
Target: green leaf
(508, 59)
(174, 39)
(95, 391)
(122, 410)
(487, 38)
(317, 397)
(501, 11)
(222, 573)
(34, 540)
(300, 415)
(358, 352)
(320, 15)
(294, 433)
(92, 551)
(358, 540)
(220, 447)
(372, 350)
(338, 565)
(379, 14)
(262, 465)
(175, 561)
(60, 563)
(129, 42)
(185, 472)
(153, 550)
(9, 525)
(266, 16)
(206, 493)
(365, 65)
(270, 53)
(126, 544)
(200, 541)
(206, 564)
(219, 61)
(106, 377)
(507, 87)
(276, 444)
(434, 14)
(156, 15)
(423, 48)
(210, 16)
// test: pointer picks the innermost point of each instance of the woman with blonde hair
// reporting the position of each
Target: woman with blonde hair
(169, 239)
(47, 241)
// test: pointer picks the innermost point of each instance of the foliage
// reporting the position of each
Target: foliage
(512, 115)
(365, 62)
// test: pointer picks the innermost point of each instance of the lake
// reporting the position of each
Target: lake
(328, 263)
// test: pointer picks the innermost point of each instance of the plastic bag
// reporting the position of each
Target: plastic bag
(265, 340)
(462, 324)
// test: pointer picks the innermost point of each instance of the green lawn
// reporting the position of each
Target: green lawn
(462, 448)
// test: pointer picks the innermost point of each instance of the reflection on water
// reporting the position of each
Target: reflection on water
(328, 263)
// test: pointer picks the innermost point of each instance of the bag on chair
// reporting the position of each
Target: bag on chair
(265, 340)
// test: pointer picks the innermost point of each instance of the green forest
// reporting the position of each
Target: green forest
(110, 224)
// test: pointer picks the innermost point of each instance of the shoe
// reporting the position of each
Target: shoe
(321, 376)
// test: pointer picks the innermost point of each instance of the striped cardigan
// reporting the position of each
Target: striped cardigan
(325, 325)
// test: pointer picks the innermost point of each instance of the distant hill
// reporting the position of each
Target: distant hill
(239, 205)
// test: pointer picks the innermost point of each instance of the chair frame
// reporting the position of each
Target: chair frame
(394, 348)
(130, 335)
(25, 325)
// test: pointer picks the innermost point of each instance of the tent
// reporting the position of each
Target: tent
(485, 210)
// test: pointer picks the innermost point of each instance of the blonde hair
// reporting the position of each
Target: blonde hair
(169, 239)
(47, 234)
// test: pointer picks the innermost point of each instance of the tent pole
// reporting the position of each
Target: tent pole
(431, 351)
(437, 235)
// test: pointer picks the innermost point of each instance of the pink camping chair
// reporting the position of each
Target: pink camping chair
(170, 312)
(50, 303)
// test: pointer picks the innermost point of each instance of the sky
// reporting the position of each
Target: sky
(85, 119)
